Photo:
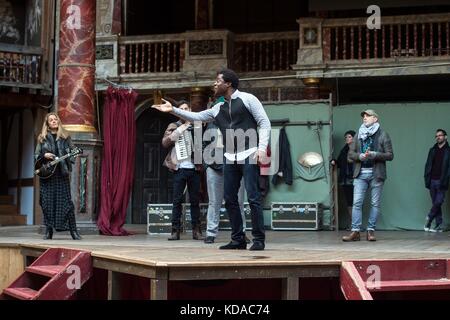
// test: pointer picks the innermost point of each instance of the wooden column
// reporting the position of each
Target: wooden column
(113, 285)
(203, 19)
(290, 287)
(312, 89)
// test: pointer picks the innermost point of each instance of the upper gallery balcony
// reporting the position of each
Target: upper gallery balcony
(20, 67)
(404, 45)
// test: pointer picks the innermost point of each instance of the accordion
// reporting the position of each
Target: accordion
(183, 146)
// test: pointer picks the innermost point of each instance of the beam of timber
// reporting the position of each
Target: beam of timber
(125, 267)
(158, 289)
(290, 287)
(197, 273)
(114, 285)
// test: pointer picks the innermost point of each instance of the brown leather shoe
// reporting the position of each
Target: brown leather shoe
(197, 233)
(371, 235)
(175, 235)
(354, 236)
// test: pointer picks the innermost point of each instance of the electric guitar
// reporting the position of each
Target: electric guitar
(45, 168)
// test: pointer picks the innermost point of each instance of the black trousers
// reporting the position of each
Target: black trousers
(181, 178)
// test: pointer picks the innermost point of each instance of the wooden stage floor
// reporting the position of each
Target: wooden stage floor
(282, 247)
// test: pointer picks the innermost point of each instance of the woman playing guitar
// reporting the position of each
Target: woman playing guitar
(55, 198)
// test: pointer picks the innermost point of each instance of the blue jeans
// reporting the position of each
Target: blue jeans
(437, 198)
(361, 184)
(233, 174)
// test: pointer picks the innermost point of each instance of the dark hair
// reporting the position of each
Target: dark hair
(350, 132)
(441, 130)
(181, 102)
(230, 76)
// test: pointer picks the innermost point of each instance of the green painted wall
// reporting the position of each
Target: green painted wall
(412, 126)
(303, 139)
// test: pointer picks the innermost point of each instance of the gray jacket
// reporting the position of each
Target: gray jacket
(383, 152)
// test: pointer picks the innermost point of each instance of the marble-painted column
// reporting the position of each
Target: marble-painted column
(76, 69)
(77, 105)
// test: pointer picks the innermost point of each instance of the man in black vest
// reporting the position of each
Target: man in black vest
(238, 118)
(437, 175)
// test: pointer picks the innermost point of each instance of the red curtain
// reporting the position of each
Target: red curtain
(119, 135)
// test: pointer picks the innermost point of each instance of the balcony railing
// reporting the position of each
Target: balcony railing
(151, 54)
(261, 52)
(20, 67)
(399, 37)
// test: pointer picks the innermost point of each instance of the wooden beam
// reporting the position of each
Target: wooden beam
(27, 182)
(19, 165)
(208, 273)
(124, 267)
(12, 100)
(290, 289)
(114, 285)
(158, 289)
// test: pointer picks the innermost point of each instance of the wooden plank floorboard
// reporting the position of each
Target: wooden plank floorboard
(282, 248)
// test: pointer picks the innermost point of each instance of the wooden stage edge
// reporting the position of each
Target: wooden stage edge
(289, 255)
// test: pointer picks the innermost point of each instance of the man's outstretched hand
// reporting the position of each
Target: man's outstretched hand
(165, 107)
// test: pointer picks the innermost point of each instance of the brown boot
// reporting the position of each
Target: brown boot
(175, 235)
(354, 236)
(371, 235)
(197, 233)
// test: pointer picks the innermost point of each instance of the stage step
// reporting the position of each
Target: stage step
(359, 279)
(47, 277)
(21, 293)
(411, 285)
(48, 271)
(6, 199)
(8, 209)
(13, 220)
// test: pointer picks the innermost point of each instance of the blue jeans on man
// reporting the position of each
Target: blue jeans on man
(361, 184)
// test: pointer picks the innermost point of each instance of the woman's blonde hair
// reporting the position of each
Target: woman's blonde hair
(62, 133)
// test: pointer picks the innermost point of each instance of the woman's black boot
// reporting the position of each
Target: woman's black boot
(48, 233)
(75, 235)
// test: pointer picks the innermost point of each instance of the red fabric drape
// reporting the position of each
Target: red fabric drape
(119, 135)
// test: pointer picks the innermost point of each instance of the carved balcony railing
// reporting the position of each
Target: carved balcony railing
(151, 54)
(172, 60)
(412, 44)
(399, 37)
(20, 67)
(260, 52)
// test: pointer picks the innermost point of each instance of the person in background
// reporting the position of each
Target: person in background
(215, 184)
(369, 153)
(345, 178)
(437, 175)
(184, 173)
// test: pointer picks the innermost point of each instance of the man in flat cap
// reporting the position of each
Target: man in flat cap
(369, 153)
